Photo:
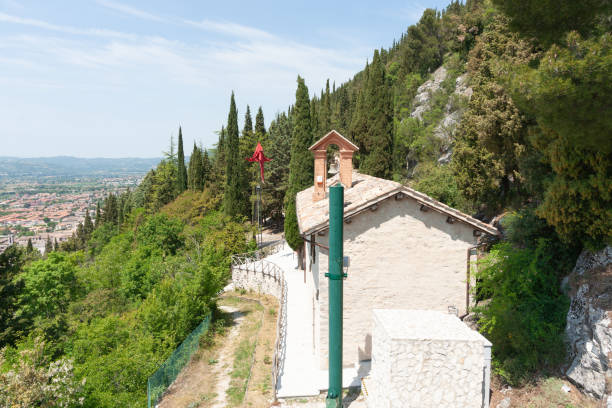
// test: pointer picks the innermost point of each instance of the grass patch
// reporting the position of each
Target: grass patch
(240, 374)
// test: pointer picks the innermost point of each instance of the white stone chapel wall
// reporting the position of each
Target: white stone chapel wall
(400, 258)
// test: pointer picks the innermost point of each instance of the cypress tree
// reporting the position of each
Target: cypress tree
(195, 169)
(127, 203)
(325, 112)
(55, 245)
(235, 203)
(278, 169)
(30, 247)
(111, 212)
(247, 139)
(48, 245)
(80, 235)
(206, 169)
(87, 224)
(341, 112)
(260, 128)
(314, 118)
(182, 171)
(220, 160)
(98, 215)
(377, 141)
(247, 145)
(301, 164)
(120, 215)
(248, 123)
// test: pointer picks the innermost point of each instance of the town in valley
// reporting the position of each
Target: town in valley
(52, 207)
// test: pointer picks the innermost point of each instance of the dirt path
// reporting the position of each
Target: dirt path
(199, 383)
(223, 369)
(219, 373)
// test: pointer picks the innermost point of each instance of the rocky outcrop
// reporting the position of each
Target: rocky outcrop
(421, 102)
(445, 129)
(588, 331)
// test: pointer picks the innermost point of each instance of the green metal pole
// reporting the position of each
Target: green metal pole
(335, 275)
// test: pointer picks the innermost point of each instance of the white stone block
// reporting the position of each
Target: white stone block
(426, 359)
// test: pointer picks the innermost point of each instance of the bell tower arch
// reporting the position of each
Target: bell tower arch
(319, 150)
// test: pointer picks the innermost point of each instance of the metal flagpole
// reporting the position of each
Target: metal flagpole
(259, 229)
(336, 276)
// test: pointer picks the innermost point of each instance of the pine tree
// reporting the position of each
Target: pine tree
(235, 198)
(549, 20)
(30, 247)
(164, 187)
(182, 171)
(195, 170)
(301, 164)
(48, 245)
(171, 154)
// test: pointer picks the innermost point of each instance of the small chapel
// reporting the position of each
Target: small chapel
(406, 250)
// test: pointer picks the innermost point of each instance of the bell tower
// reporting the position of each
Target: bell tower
(319, 150)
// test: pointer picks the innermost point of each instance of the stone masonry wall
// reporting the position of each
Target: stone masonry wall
(411, 368)
(256, 281)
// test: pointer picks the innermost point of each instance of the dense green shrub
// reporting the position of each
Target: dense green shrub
(525, 315)
(161, 232)
(438, 182)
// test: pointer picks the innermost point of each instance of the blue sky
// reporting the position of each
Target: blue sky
(106, 78)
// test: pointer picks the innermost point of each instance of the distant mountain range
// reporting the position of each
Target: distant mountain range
(73, 166)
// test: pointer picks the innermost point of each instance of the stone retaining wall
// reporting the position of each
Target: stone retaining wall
(253, 279)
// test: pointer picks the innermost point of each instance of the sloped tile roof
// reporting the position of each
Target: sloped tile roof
(366, 191)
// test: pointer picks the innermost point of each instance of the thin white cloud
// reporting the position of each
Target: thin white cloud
(255, 54)
(227, 27)
(12, 4)
(129, 10)
(8, 18)
(177, 80)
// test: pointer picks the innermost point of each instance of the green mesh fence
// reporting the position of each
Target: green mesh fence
(169, 370)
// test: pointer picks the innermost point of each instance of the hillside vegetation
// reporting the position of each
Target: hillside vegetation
(499, 108)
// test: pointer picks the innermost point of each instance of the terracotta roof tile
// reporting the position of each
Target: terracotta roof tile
(368, 190)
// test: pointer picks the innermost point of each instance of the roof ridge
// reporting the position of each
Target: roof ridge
(379, 189)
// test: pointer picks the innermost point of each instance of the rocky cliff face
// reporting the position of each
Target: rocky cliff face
(445, 128)
(589, 321)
